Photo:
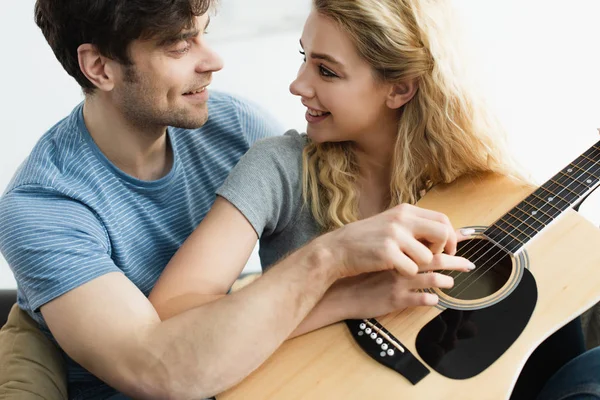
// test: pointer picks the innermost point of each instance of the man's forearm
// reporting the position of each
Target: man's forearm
(196, 348)
(332, 308)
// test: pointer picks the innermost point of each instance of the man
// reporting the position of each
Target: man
(109, 193)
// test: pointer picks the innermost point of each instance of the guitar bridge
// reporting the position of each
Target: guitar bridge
(384, 348)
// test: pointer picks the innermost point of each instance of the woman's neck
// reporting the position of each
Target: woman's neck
(375, 162)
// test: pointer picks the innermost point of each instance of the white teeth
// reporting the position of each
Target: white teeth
(315, 113)
(198, 91)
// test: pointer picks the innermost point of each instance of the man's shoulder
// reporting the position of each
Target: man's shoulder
(224, 106)
(52, 156)
(232, 121)
(229, 101)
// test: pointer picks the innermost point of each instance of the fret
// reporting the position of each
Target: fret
(565, 187)
(588, 158)
(593, 152)
(546, 202)
(585, 175)
(579, 188)
(554, 196)
(527, 224)
(501, 238)
(520, 222)
(578, 180)
(588, 165)
(554, 192)
(540, 208)
(528, 216)
(536, 209)
(512, 231)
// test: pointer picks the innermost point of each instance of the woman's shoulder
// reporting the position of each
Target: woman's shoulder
(290, 140)
(283, 148)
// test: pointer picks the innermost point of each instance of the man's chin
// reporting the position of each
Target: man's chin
(190, 121)
(189, 124)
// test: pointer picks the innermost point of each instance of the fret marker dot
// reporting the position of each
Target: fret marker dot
(570, 170)
(533, 212)
(550, 198)
(589, 181)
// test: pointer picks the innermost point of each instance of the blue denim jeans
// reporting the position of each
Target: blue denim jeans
(579, 379)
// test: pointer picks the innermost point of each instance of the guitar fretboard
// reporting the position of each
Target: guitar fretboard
(563, 191)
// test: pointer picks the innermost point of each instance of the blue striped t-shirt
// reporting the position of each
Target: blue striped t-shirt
(69, 215)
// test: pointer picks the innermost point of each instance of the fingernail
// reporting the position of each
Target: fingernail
(471, 266)
(467, 231)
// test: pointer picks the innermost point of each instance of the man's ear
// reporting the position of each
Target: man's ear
(401, 93)
(97, 68)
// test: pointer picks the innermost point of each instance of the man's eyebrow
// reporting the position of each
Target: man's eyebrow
(183, 35)
(325, 57)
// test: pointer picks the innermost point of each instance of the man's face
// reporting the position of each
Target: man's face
(167, 83)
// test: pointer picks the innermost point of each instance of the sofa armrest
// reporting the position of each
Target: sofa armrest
(8, 297)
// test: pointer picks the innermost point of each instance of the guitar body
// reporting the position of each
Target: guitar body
(547, 284)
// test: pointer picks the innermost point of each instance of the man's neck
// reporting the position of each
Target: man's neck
(142, 152)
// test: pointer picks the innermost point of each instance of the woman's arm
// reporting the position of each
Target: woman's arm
(211, 259)
(207, 264)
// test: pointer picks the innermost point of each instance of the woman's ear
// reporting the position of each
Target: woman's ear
(401, 93)
(95, 67)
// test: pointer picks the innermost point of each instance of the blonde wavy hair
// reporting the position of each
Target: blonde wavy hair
(444, 131)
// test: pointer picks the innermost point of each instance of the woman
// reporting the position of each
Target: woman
(389, 117)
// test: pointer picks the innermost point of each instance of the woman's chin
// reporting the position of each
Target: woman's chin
(318, 137)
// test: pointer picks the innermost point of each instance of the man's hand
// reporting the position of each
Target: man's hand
(380, 293)
(406, 238)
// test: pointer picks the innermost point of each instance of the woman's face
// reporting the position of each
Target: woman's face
(344, 101)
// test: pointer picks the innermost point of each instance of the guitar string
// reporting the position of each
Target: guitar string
(524, 221)
(529, 215)
(593, 163)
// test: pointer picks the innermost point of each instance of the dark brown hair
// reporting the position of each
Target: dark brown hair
(110, 25)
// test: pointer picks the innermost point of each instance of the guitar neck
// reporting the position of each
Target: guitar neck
(563, 191)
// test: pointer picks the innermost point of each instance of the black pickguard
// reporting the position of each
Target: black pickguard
(460, 344)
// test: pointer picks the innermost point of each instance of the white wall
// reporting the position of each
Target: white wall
(539, 62)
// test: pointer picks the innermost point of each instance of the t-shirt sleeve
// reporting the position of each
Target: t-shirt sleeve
(266, 184)
(52, 243)
(256, 122)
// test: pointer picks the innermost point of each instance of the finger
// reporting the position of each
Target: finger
(447, 262)
(402, 263)
(415, 299)
(431, 280)
(451, 240)
(429, 214)
(434, 232)
(464, 234)
(420, 254)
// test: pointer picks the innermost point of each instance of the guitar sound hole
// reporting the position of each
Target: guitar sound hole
(493, 268)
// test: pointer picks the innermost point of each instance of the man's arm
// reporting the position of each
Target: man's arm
(110, 328)
(198, 353)
(210, 260)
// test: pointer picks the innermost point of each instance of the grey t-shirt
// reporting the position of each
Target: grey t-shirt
(266, 186)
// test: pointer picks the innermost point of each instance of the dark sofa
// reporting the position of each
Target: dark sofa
(8, 297)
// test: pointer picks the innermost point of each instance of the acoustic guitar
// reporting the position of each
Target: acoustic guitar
(537, 267)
